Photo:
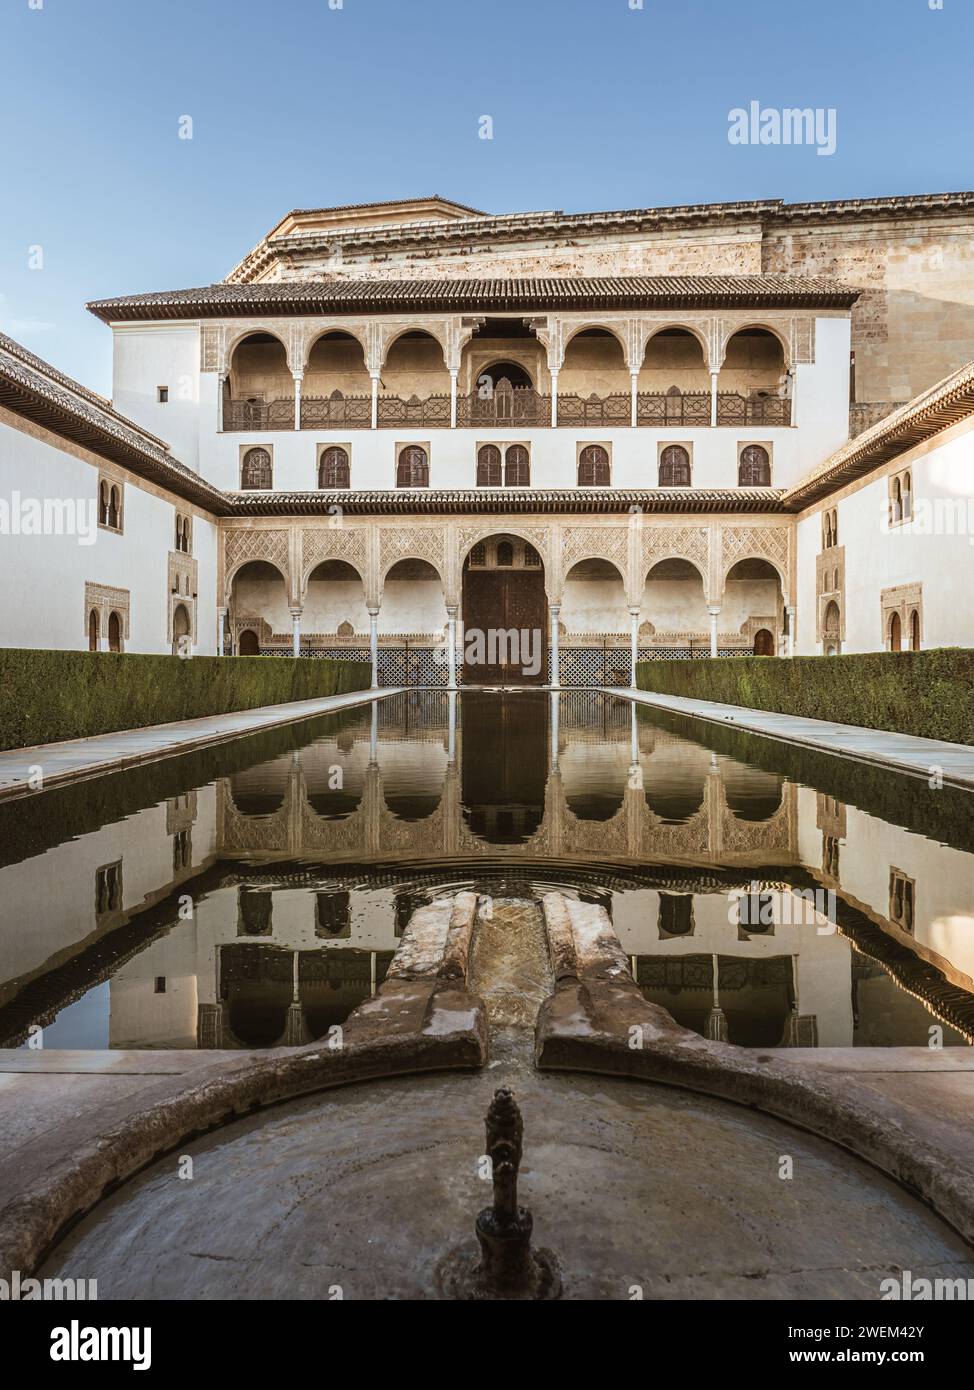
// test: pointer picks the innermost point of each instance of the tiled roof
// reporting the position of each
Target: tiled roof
(928, 414)
(31, 388)
(499, 501)
(338, 295)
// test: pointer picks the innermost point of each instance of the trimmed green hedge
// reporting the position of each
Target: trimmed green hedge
(930, 694)
(46, 696)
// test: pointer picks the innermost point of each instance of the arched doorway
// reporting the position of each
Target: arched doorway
(259, 596)
(247, 644)
(114, 632)
(180, 627)
(505, 615)
(895, 633)
(763, 642)
(93, 630)
(914, 631)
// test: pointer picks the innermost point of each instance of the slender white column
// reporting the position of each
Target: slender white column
(374, 644)
(713, 398)
(554, 399)
(296, 631)
(555, 610)
(634, 391)
(452, 640)
(793, 378)
(791, 630)
(451, 736)
(220, 385)
(375, 400)
(221, 619)
(453, 400)
(714, 613)
(297, 402)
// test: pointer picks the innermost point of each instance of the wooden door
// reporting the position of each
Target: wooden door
(501, 601)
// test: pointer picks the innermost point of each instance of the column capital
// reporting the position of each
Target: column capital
(713, 609)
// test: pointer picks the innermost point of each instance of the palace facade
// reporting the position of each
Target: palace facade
(667, 432)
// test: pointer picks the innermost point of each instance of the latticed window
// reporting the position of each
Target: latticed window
(517, 467)
(489, 466)
(593, 467)
(754, 467)
(334, 469)
(478, 555)
(532, 559)
(830, 529)
(413, 469)
(674, 466)
(255, 472)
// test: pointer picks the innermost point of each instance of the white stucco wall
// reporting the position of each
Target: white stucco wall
(936, 549)
(146, 357)
(44, 576)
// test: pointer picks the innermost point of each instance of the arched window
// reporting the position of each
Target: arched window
(674, 466)
(831, 629)
(896, 503)
(517, 467)
(895, 633)
(93, 630)
(334, 469)
(914, 631)
(489, 466)
(255, 473)
(114, 508)
(593, 467)
(413, 469)
(907, 497)
(505, 554)
(103, 503)
(114, 632)
(754, 467)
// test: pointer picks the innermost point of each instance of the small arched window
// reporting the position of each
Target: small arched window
(896, 503)
(517, 467)
(255, 473)
(114, 632)
(114, 508)
(914, 631)
(674, 466)
(93, 630)
(907, 497)
(334, 469)
(103, 503)
(593, 467)
(754, 467)
(413, 469)
(489, 466)
(505, 555)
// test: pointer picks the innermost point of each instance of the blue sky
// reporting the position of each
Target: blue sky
(298, 104)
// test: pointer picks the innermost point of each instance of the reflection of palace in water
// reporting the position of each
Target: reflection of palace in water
(258, 910)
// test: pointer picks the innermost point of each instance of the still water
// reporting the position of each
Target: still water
(252, 895)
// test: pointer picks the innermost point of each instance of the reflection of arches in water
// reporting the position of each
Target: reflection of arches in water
(750, 794)
(674, 795)
(257, 983)
(675, 914)
(594, 778)
(413, 776)
(261, 790)
(756, 996)
(334, 783)
(332, 983)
